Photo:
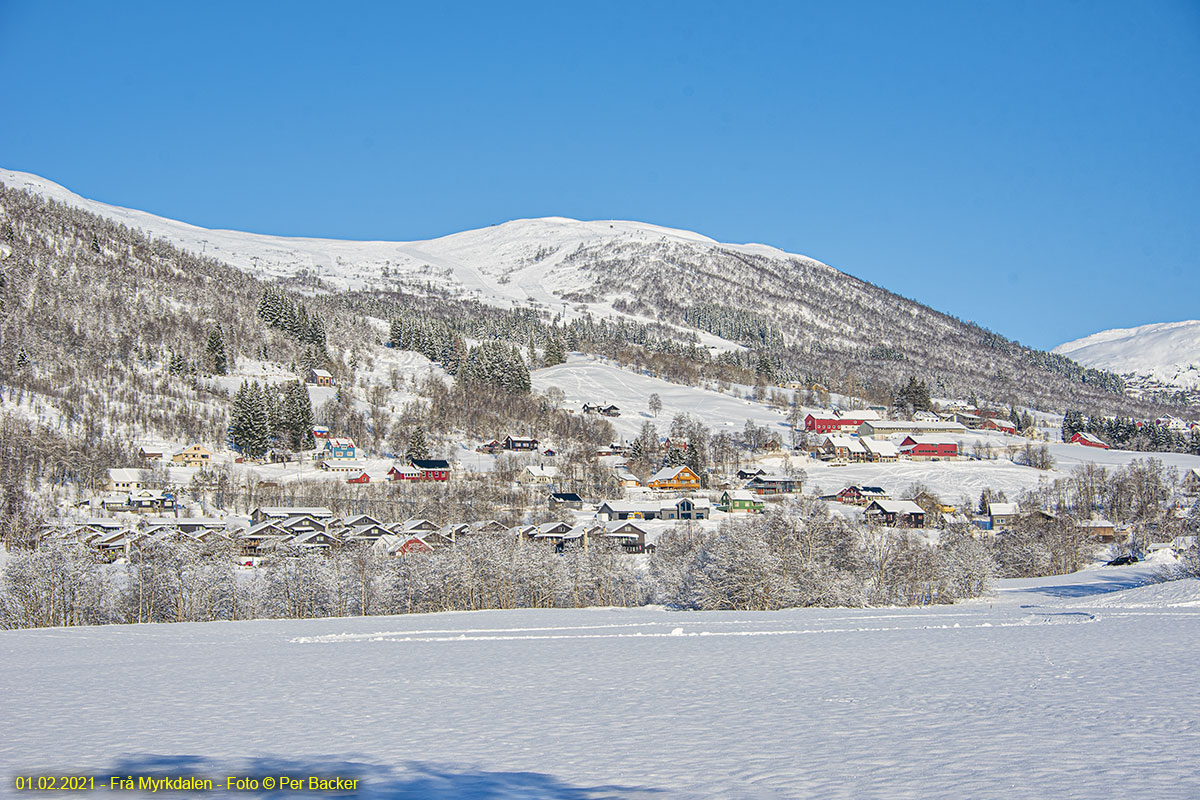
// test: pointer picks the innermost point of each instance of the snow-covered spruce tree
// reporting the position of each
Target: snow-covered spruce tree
(250, 423)
(554, 353)
(496, 365)
(418, 446)
(260, 440)
(298, 416)
(215, 350)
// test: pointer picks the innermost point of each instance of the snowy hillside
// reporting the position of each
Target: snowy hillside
(1168, 352)
(520, 262)
(588, 380)
(1079, 686)
(815, 322)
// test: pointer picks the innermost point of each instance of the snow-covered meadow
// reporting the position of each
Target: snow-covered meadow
(588, 379)
(1071, 687)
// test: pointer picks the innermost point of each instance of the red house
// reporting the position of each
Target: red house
(1087, 440)
(832, 424)
(931, 447)
(413, 544)
(361, 477)
(421, 469)
(996, 424)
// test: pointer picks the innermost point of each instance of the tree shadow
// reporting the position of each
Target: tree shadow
(404, 781)
(1106, 584)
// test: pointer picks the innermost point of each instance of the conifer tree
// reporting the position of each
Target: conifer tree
(216, 352)
(418, 447)
(554, 352)
(259, 422)
(297, 413)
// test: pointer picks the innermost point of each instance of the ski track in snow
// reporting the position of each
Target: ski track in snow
(1079, 686)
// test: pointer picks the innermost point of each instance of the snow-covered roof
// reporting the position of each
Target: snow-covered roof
(360, 519)
(292, 522)
(623, 523)
(1087, 437)
(897, 506)
(306, 538)
(770, 477)
(191, 522)
(367, 529)
(1002, 509)
(538, 471)
(267, 528)
(900, 426)
(919, 438)
(321, 373)
(284, 512)
(880, 447)
(345, 464)
(667, 473)
(851, 443)
(125, 475)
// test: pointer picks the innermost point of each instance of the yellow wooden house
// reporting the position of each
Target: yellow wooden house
(194, 455)
(675, 479)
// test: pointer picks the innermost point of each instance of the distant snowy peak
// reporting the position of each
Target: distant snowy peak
(525, 261)
(1168, 352)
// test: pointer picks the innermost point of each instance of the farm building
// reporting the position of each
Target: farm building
(1088, 440)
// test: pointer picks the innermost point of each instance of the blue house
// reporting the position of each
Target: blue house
(338, 447)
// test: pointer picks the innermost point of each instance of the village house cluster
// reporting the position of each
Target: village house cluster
(138, 505)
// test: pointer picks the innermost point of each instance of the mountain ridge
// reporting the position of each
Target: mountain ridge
(1168, 352)
(808, 320)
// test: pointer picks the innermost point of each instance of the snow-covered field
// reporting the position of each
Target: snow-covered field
(1072, 687)
(954, 480)
(587, 379)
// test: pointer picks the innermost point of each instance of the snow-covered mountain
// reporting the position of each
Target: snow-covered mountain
(1166, 352)
(816, 323)
(522, 262)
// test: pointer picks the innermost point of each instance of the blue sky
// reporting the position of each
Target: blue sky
(1033, 167)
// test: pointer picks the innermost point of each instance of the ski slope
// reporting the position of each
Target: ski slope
(1080, 686)
(1166, 351)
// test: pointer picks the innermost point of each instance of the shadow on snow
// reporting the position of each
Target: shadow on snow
(1102, 585)
(406, 781)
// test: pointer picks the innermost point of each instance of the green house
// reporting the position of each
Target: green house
(740, 501)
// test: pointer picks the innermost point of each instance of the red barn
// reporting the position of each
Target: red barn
(996, 424)
(1087, 440)
(931, 447)
(831, 424)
